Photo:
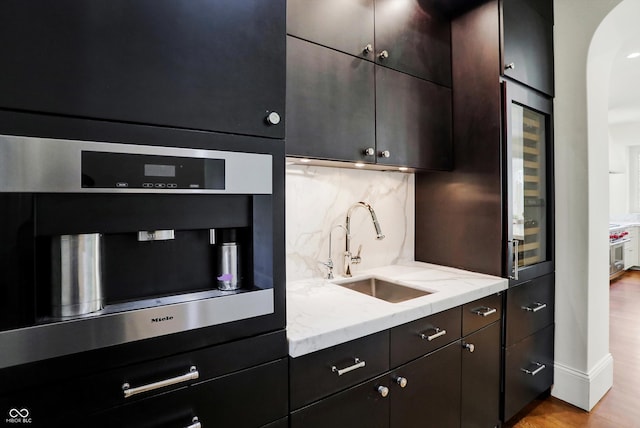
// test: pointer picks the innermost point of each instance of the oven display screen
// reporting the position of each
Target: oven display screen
(151, 170)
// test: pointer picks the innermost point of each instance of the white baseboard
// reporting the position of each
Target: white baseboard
(583, 390)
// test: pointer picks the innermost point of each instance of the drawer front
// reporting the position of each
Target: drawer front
(414, 339)
(528, 370)
(480, 313)
(246, 399)
(324, 372)
(530, 307)
(360, 406)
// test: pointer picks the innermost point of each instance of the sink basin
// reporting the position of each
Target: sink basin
(383, 290)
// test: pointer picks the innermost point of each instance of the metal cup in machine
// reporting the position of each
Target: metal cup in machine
(76, 275)
(228, 261)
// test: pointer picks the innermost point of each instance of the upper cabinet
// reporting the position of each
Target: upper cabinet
(527, 39)
(406, 35)
(210, 65)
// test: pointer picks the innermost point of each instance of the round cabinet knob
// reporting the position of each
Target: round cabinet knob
(402, 381)
(469, 347)
(367, 49)
(510, 66)
(273, 118)
(384, 54)
(385, 154)
(383, 391)
(369, 151)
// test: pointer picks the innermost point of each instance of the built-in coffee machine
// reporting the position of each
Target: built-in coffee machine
(108, 243)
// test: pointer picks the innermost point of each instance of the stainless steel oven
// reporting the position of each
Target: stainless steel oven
(106, 243)
(617, 239)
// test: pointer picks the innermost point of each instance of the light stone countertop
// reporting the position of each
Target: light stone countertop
(321, 314)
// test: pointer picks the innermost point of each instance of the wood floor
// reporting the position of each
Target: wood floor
(620, 407)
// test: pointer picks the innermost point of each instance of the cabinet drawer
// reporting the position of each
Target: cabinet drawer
(218, 402)
(528, 370)
(481, 313)
(411, 340)
(360, 406)
(324, 372)
(530, 307)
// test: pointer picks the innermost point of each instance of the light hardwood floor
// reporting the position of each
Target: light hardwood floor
(620, 407)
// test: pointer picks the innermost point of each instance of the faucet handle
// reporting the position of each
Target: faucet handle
(357, 259)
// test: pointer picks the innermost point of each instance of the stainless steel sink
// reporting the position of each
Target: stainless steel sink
(384, 290)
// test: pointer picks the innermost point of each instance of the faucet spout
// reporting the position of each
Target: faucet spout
(348, 257)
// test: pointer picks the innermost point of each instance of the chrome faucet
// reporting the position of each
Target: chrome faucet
(349, 259)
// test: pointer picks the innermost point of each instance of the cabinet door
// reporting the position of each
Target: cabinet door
(416, 38)
(431, 396)
(330, 103)
(413, 122)
(362, 406)
(530, 308)
(481, 378)
(211, 65)
(345, 25)
(528, 42)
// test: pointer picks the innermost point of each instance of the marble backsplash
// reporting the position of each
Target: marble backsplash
(317, 200)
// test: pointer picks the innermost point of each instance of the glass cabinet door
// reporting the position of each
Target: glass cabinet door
(528, 183)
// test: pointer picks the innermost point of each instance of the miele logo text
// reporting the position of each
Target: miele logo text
(18, 416)
(168, 318)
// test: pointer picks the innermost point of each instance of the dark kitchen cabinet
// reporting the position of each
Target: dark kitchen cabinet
(409, 36)
(527, 30)
(208, 65)
(330, 103)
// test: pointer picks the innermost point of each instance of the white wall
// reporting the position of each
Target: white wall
(618, 179)
(584, 367)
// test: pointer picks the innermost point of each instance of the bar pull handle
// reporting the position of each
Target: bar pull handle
(535, 307)
(357, 364)
(156, 235)
(438, 333)
(538, 369)
(129, 392)
(196, 423)
(516, 259)
(484, 311)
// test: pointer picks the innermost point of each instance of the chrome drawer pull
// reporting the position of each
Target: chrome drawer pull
(128, 391)
(537, 306)
(539, 368)
(484, 311)
(357, 365)
(436, 335)
(196, 423)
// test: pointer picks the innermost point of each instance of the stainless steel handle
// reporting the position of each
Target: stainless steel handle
(367, 49)
(357, 365)
(537, 306)
(273, 118)
(369, 151)
(385, 154)
(516, 260)
(510, 66)
(156, 235)
(383, 391)
(402, 381)
(438, 333)
(196, 423)
(383, 55)
(484, 311)
(539, 368)
(128, 391)
(469, 347)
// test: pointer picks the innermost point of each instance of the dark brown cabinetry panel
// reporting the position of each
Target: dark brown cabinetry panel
(432, 394)
(481, 313)
(530, 307)
(481, 378)
(528, 42)
(413, 121)
(345, 25)
(211, 65)
(359, 407)
(330, 103)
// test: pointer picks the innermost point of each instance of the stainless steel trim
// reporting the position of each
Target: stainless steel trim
(539, 368)
(104, 328)
(619, 242)
(30, 164)
(130, 392)
(484, 311)
(516, 259)
(156, 235)
(437, 334)
(212, 236)
(537, 306)
(357, 365)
